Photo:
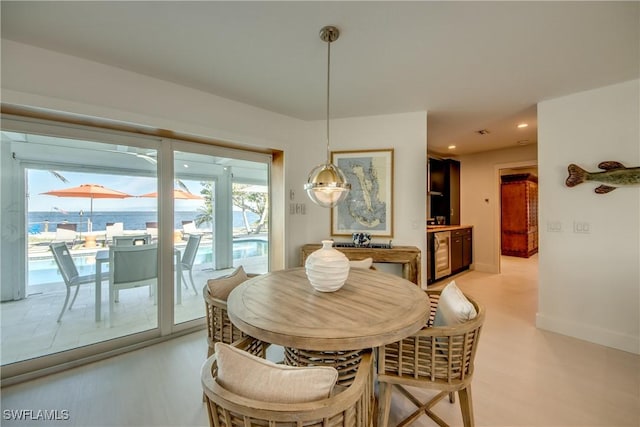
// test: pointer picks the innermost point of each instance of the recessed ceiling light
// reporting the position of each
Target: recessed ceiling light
(185, 165)
(522, 125)
(451, 147)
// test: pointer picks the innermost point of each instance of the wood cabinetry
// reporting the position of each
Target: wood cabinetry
(444, 190)
(460, 250)
(409, 256)
(519, 201)
(461, 247)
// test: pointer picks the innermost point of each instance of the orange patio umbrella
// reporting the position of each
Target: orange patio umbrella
(89, 191)
(177, 194)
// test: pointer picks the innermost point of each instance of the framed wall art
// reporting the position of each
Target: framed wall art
(368, 207)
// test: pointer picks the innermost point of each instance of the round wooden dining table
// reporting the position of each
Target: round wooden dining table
(371, 309)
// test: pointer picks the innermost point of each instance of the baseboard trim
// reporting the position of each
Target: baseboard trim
(594, 334)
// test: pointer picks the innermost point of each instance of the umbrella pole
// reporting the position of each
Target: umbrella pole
(90, 221)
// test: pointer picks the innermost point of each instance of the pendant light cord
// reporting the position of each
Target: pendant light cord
(328, 96)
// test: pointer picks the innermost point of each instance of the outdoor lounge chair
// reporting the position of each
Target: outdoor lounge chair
(69, 273)
(66, 233)
(113, 229)
(152, 230)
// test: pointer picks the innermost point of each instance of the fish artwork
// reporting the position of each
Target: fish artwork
(615, 175)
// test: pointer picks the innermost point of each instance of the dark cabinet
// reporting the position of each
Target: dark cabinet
(467, 249)
(519, 201)
(461, 247)
(444, 190)
(430, 249)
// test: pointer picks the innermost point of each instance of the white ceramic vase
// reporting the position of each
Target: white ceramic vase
(327, 268)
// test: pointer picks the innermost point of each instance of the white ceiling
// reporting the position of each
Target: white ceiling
(471, 65)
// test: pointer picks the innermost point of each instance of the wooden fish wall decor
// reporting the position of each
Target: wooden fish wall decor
(615, 175)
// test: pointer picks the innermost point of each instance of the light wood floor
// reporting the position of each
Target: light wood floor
(524, 376)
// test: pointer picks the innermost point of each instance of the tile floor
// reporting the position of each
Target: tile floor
(524, 376)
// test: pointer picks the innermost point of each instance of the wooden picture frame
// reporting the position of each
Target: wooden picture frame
(368, 207)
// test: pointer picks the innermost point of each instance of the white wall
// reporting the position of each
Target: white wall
(407, 135)
(480, 199)
(41, 78)
(589, 284)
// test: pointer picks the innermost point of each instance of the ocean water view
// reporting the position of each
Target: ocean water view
(38, 222)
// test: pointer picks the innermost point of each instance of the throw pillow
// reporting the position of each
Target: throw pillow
(221, 287)
(453, 307)
(253, 377)
(362, 263)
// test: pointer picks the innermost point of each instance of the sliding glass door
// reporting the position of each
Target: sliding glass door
(221, 219)
(70, 197)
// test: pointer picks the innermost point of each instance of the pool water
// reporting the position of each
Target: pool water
(45, 270)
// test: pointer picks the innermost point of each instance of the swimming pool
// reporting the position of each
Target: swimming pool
(44, 270)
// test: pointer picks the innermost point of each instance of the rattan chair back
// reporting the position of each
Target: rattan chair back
(440, 358)
(219, 326)
(350, 406)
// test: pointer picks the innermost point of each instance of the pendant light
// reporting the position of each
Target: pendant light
(327, 185)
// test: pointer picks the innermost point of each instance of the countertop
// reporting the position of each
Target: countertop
(436, 228)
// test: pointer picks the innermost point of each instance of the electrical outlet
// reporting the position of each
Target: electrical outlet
(303, 209)
(554, 226)
(292, 208)
(581, 227)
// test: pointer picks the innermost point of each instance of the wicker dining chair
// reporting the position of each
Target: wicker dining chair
(436, 357)
(219, 326)
(351, 406)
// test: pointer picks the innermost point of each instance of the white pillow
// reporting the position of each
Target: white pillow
(362, 263)
(253, 377)
(453, 307)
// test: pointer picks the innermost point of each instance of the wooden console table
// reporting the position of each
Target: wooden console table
(408, 256)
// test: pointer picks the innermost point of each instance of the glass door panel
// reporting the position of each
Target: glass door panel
(221, 222)
(71, 200)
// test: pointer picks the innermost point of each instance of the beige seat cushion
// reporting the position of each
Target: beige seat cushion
(250, 376)
(453, 307)
(221, 287)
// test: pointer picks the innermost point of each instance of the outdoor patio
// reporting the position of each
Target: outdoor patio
(29, 329)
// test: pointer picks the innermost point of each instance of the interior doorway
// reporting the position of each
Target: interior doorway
(515, 168)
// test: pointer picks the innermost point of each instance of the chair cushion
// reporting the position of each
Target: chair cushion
(362, 263)
(253, 377)
(453, 307)
(221, 287)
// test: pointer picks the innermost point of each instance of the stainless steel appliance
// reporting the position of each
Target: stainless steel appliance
(442, 254)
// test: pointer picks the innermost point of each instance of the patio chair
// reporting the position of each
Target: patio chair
(69, 273)
(188, 257)
(437, 358)
(132, 240)
(271, 402)
(131, 267)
